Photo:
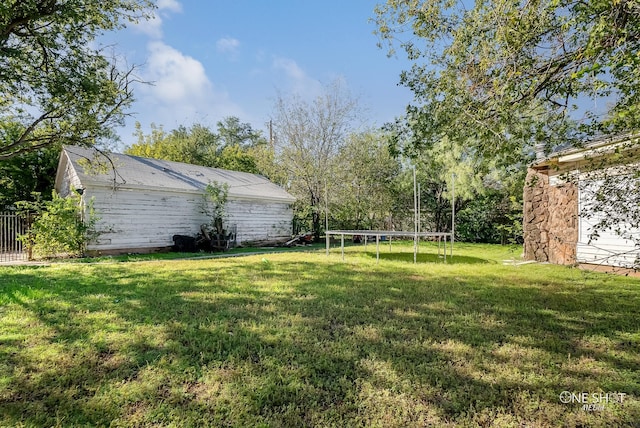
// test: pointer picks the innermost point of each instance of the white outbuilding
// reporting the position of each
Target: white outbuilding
(141, 203)
(572, 217)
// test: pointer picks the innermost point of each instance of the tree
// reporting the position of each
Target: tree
(57, 86)
(310, 135)
(505, 75)
(367, 180)
(508, 78)
(488, 195)
(197, 145)
(241, 145)
(232, 132)
(237, 158)
(26, 174)
(231, 148)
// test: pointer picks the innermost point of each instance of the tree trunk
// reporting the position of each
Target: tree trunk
(315, 217)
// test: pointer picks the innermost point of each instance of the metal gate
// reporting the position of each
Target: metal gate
(12, 225)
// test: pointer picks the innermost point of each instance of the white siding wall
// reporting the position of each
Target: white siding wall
(609, 248)
(260, 220)
(69, 181)
(135, 219)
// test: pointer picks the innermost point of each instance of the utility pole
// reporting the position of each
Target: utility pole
(271, 142)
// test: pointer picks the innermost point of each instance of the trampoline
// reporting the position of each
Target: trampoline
(442, 237)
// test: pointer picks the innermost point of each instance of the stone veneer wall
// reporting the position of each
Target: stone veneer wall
(550, 223)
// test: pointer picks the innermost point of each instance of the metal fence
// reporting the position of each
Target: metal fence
(11, 226)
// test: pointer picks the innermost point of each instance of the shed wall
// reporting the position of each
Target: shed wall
(69, 181)
(135, 220)
(143, 219)
(257, 220)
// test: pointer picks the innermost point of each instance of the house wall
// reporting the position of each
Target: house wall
(139, 220)
(608, 248)
(550, 222)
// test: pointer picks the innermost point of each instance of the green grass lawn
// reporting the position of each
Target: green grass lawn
(301, 339)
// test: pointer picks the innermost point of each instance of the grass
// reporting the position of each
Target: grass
(137, 257)
(301, 339)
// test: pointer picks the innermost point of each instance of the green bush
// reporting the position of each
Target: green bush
(493, 218)
(61, 226)
(215, 204)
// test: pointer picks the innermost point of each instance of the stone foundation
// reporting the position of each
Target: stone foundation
(550, 223)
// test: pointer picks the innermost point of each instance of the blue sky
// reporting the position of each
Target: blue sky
(212, 59)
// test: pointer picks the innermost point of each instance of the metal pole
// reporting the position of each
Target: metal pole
(419, 213)
(415, 215)
(377, 248)
(419, 221)
(445, 248)
(326, 235)
(342, 245)
(453, 209)
(326, 207)
(326, 215)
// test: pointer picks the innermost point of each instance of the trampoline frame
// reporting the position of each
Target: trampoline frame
(441, 236)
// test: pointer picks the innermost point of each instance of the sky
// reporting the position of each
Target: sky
(211, 59)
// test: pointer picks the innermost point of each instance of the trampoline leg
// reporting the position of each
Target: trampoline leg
(342, 245)
(377, 249)
(327, 238)
(452, 238)
(445, 249)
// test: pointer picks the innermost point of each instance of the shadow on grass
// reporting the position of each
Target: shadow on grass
(295, 343)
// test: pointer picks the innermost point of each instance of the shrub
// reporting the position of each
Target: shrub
(61, 227)
(215, 204)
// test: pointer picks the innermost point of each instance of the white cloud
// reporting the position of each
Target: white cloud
(181, 92)
(152, 27)
(176, 76)
(170, 5)
(228, 45)
(296, 78)
(290, 68)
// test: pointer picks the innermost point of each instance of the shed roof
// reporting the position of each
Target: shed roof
(134, 172)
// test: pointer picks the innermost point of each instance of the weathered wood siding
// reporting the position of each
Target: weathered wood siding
(139, 219)
(609, 248)
(70, 181)
(256, 220)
